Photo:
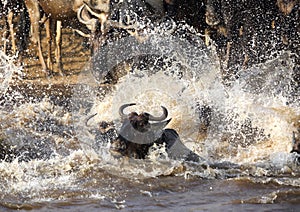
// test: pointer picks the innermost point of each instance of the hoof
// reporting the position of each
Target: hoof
(48, 73)
(58, 67)
(61, 73)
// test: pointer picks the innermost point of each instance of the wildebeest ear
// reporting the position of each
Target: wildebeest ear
(146, 114)
(160, 125)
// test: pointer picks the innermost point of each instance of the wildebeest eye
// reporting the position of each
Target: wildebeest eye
(115, 1)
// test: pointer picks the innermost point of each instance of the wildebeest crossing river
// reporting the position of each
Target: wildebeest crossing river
(54, 158)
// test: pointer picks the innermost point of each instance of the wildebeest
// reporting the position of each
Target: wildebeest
(60, 12)
(140, 132)
(251, 31)
(8, 10)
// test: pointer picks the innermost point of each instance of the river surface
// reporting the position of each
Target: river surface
(245, 137)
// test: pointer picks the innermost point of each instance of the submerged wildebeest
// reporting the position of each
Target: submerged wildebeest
(61, 12)
(140, 132)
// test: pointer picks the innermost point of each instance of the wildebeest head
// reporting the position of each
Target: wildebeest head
(139, 122)
(143, 127)
(213, 13)
(92, 12)
(286, 6)
(101, 6)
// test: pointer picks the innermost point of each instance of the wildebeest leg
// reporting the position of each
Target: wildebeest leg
(226, 62)
(8, 31)
(228, 51)
(205, 116)
(58, 41)
(11, 31)
(207, 37)
(176, 149)
(6, 35)
(48, 26)
(23, 32)
(35, 17)
(40, 53)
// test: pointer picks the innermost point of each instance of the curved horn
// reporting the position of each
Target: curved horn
(102, 15)
(82, 33)
(90, 23)
(121, 109)
(88, 118)
(160, 118)
(79, 15)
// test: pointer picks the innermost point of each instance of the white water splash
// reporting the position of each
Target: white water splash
(250, 121)
(256, 118)
(7, 70)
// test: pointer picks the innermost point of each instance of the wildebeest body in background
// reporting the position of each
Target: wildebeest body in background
(254, 30)
(127, 16)
(122, 14)
(58, 13)
(244, 32)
